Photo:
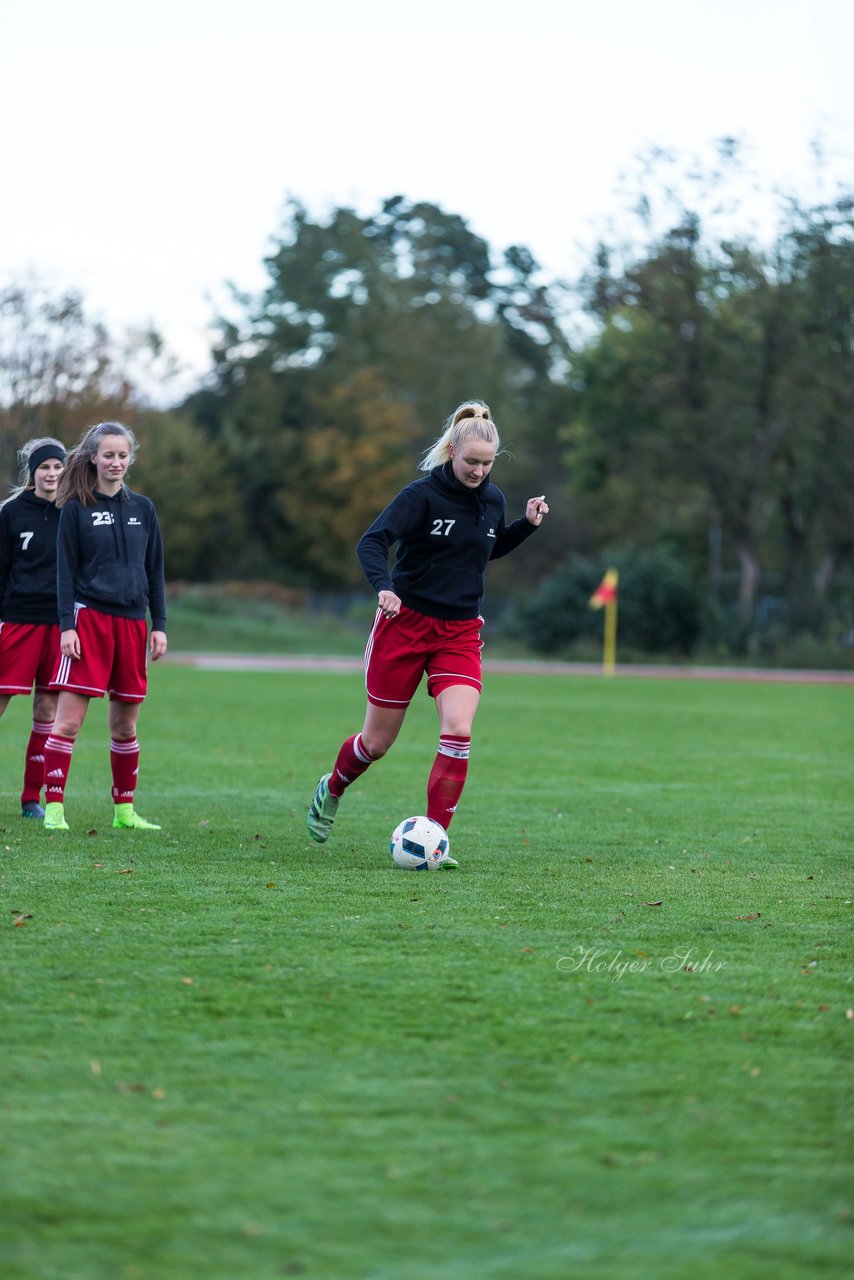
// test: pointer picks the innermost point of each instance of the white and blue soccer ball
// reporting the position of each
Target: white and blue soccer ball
(419, 844)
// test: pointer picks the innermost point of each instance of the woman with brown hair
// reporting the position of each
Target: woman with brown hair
(109, 575)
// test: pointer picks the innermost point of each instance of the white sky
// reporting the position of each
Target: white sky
(147, 148)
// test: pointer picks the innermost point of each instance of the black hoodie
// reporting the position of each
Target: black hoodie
(28, 528)
(446, 534)
(110, 558)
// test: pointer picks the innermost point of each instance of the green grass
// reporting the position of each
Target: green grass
(230, 1053)
(201, 620)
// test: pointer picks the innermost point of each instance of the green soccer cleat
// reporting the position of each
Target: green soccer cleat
(125, 819)
(32, 809)
(449, 862)
(322, 811)
(54, 817)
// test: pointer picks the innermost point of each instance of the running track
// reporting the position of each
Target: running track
(273, 662)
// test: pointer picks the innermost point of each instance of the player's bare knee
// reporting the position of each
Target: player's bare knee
(453, 727)
(376, 747)
(44, 705)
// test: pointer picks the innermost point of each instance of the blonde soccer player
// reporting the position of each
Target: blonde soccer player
(447, 527)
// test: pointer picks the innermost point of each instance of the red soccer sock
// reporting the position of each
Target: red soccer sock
(352, 762)
(57, 762)
(447, 779)
(124, 763)
(34, 762)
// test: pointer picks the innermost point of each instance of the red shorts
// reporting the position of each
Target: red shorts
(28, 655)
(401, 649)
(112, 658)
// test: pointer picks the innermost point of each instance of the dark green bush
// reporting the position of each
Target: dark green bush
(659, 609)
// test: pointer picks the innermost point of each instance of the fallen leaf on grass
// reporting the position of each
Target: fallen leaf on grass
(754, 915)
(271, 884)
(20, 921)
(659, 903)
(136, 1087)
(93, 831)
(849, 1013)
(188, 982)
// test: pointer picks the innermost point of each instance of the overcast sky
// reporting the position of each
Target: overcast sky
(147, 148)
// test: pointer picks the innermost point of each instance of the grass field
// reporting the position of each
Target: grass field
(612, 1046)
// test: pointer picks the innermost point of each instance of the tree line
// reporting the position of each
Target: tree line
(701, 411)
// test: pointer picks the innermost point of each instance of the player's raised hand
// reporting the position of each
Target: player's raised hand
(536, 509)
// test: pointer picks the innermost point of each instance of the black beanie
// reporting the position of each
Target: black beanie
(40, 455)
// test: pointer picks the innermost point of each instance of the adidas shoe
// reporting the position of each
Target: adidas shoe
(32, 809)
(449, 862)
(54, 817)
(322, 811)
(126, 818)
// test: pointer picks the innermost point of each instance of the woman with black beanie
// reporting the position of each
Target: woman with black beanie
(29, 630)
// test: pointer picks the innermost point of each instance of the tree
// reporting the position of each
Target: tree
(348, 468)
(371, 329)
(815, 469)
(686, 401)
(61, 371)
(197, 497)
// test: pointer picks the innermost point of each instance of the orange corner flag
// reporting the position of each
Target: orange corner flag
(606, 592)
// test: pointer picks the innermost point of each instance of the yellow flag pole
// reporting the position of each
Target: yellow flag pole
(605, 597)
(609, 648)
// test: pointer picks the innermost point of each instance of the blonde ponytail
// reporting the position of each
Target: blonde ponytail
(470, 420)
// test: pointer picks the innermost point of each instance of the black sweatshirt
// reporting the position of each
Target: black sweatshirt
(110, 558)
(446, 534)
(28, 528)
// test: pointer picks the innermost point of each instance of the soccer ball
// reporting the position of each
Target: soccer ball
(417, 844)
